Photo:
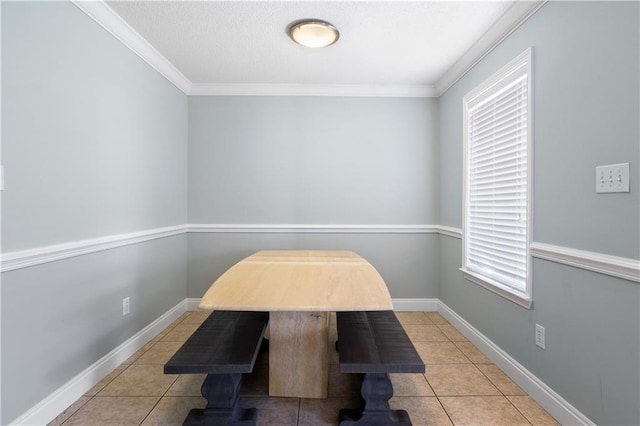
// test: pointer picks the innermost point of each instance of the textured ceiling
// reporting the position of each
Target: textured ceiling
(381, 43)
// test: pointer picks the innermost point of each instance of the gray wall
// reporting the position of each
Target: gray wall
(586, 113)
(94, 143)
(298, 160)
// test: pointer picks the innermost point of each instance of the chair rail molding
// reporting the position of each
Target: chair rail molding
(39, 255)
(621, 267)
(313, 228)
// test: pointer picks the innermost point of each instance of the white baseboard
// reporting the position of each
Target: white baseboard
(51, 406)
(192, 303)
(430, 305)
(557, 406)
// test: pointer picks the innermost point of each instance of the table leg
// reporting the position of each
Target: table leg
(299, 354)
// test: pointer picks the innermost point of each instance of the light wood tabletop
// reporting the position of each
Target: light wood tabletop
(297, 280)
(298, 288)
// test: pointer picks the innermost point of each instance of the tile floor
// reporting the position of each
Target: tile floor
(461, 386)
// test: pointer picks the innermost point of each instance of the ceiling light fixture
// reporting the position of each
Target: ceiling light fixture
(313, 33)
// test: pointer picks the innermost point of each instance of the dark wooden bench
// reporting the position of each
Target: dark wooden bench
(224, 347)
(374, 343)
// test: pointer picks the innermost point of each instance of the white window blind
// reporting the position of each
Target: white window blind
(497, 187)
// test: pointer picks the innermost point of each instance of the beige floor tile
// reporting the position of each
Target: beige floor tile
(425, 333)
(473, 353)
(113, 411)
(69, 411)
(273, 411)
(501, 380)
(187, 385)
(532, 411)
(106, 380)
(421, 410)
(171, 411)
(482, 410)
(133, 358)
(463, 379)
(180, 333)
(452, 333)
(440, 353)
(140, 380)
(410, 385)
(436, 318)
(409, 318)
(323, 412)
(159, 353)
(196, 317)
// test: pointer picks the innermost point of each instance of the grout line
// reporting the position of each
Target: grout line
(445, 410)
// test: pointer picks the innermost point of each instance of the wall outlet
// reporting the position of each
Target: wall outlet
(540, 340)
(125, 306)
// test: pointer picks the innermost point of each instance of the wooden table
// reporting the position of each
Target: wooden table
(299, 289)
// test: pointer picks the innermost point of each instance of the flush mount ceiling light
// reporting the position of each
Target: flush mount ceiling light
(313, 33)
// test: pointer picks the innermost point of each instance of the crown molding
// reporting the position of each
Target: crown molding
(508, 23)
(350, 90)
(100, 12)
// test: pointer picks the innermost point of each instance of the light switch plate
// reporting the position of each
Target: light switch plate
(612, 178)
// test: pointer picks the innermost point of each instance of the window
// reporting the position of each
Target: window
(497, 181)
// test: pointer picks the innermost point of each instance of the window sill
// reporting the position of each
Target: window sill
(517, 298)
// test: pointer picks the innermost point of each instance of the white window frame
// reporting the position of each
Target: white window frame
(511, 72)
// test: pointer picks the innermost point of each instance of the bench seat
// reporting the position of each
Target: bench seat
(375, 344)
(224, 347)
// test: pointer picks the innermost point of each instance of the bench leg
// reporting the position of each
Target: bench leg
(376, 391)
(222, 392)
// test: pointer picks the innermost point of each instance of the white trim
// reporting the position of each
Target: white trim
(36, 256)
(100, 12)
(51, 406)
(519, 67)
(450, 231)
(410, 305)
(523, 300)
(621, 267)
(313, 228)
(557, 406)
(193, 303)
(508, 23)
(605, 264)
(355, 90)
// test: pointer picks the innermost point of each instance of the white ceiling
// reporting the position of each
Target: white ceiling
(241, 44)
